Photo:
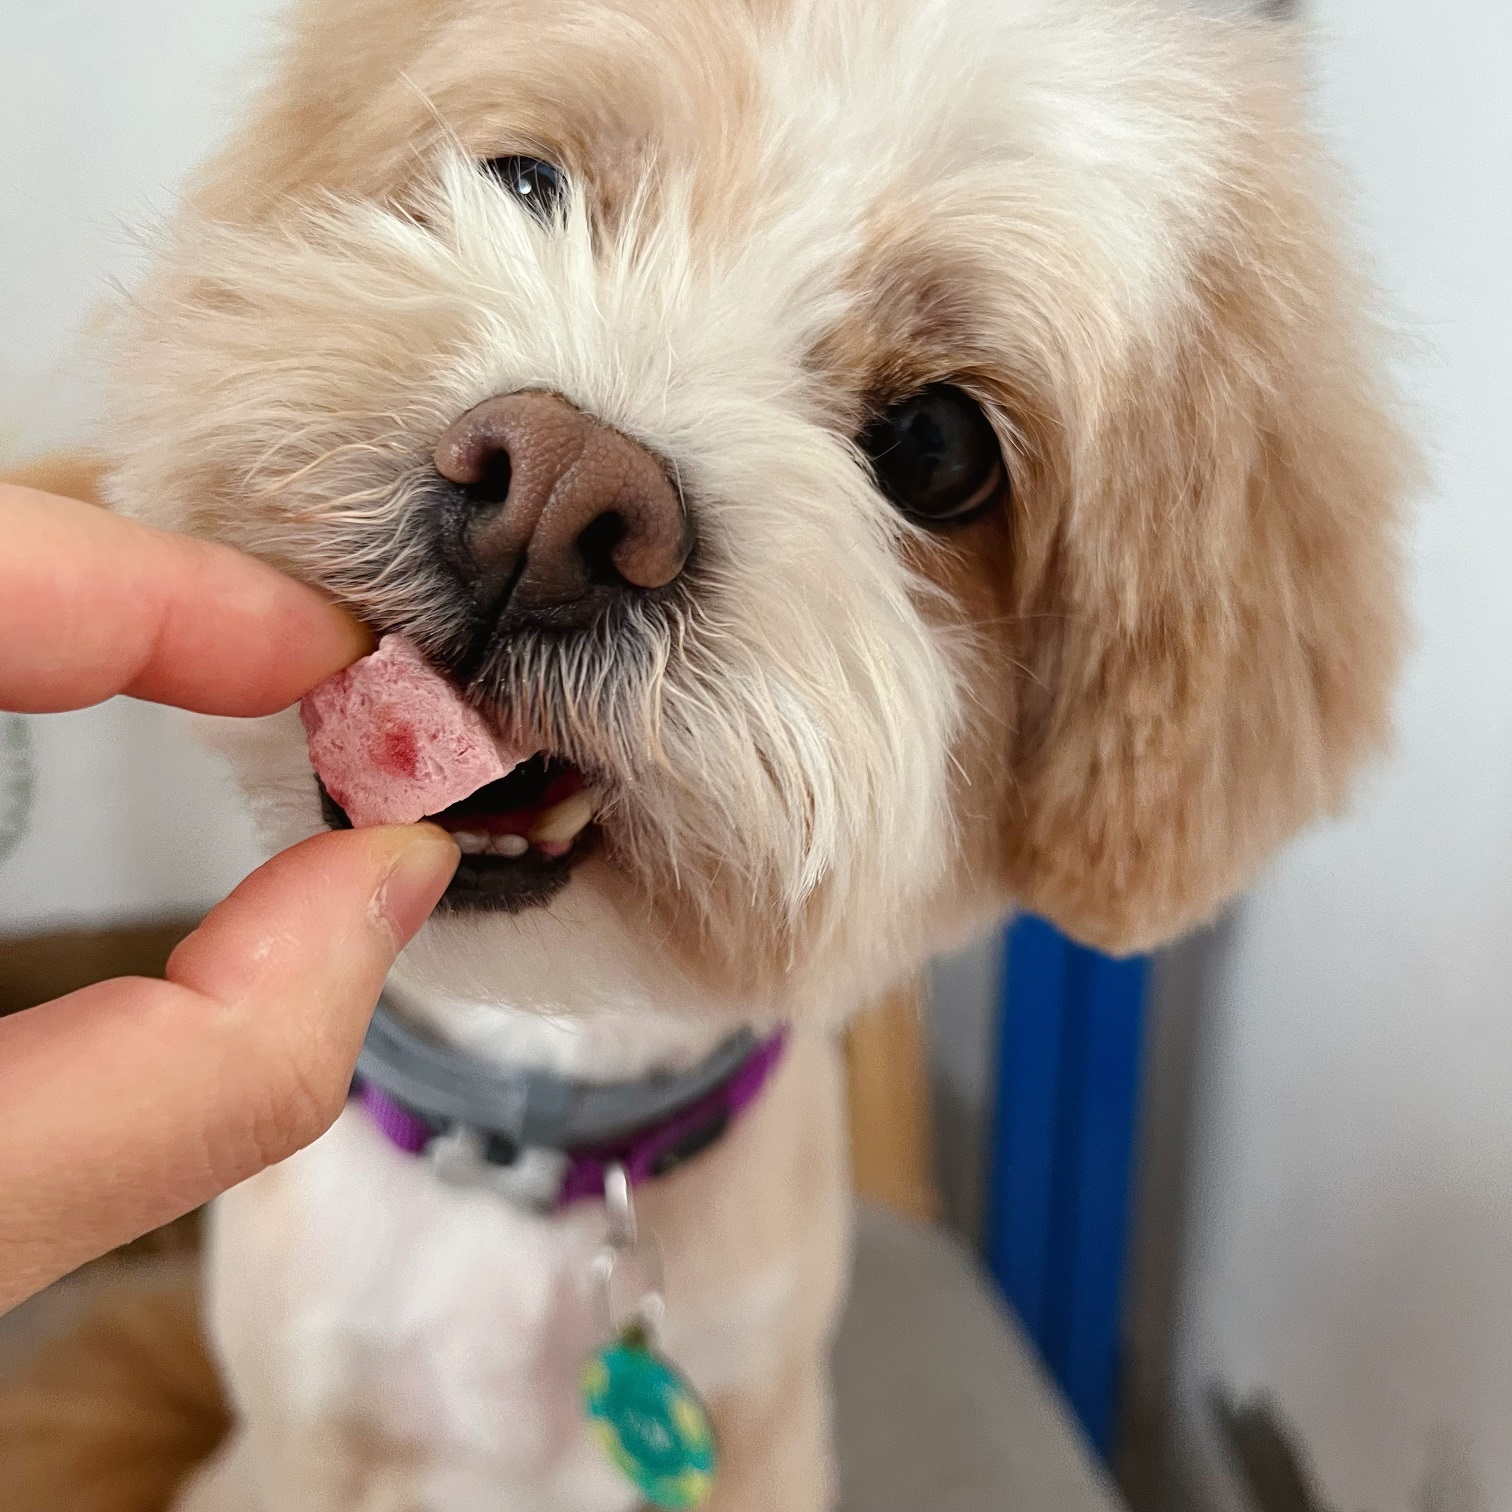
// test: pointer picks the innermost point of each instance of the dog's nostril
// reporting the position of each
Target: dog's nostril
(491, 487)
(596, 548)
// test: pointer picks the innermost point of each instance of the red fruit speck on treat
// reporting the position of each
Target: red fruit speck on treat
(393, 740)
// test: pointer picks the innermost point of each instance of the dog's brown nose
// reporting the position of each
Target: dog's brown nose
(560, 512)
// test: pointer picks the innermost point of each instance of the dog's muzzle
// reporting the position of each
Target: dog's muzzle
(556, 544)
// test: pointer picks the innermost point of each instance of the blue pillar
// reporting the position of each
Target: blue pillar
(1062, 1158)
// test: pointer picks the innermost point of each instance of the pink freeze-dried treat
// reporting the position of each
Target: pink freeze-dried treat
(394, 741)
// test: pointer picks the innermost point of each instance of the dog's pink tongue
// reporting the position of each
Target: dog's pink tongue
(393, 741)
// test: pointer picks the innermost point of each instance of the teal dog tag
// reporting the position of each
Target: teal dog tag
(652, 1422)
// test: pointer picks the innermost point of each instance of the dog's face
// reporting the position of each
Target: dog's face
(1009, 503)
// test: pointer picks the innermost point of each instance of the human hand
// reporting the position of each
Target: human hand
(129, 1103)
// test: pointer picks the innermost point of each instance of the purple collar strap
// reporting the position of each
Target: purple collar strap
(403, 1084)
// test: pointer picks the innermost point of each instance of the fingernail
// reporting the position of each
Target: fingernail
(361, 639)
(425, 861)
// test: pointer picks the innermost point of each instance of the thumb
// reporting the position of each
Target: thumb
(131, 1102)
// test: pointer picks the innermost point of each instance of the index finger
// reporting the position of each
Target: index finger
(92, 604)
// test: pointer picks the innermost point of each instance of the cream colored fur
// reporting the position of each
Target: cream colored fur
(858, 741)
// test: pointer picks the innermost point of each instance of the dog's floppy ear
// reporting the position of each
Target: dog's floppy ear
(1212, 608)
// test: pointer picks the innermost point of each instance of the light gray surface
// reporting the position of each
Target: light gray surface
(941, 1406)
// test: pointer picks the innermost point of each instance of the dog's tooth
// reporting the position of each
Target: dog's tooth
(470, 842)
(566, 819)
(512, 846)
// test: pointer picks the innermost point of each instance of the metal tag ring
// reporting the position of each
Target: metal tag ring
(629, 1250)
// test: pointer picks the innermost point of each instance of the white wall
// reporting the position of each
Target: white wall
(104, 105)
(1352, 1204)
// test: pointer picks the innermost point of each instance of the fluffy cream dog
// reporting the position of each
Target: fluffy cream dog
(1024, 536)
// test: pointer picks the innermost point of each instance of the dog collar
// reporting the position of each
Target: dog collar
(543, 1140)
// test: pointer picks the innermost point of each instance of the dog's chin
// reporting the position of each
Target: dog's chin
(590, 930)
(512, 858)
(595, 950)
(492, 884)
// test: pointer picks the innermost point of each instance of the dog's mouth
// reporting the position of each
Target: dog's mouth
(521, 837)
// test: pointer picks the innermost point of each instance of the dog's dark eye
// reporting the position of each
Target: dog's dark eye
(538, 185)
(936, 456)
